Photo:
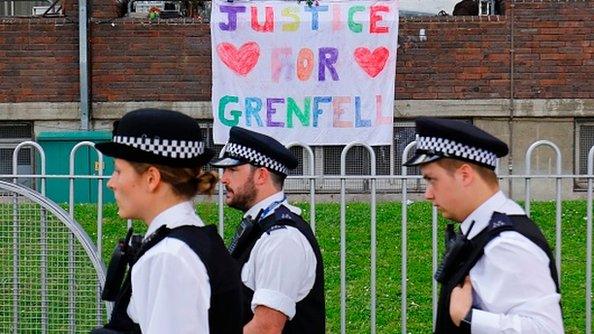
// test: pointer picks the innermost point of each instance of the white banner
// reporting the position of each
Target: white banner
(321, 75)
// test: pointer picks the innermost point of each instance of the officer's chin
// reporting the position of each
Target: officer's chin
(229, 199)
(125, 214)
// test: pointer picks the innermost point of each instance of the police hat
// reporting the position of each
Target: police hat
(158, 136)
(245, 146)
(446, 138)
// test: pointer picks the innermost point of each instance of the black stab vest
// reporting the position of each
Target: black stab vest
(225, 311)
(471, 253)
(310, 315)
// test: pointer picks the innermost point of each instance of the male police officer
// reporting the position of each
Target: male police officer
(498, 276)
(282, 268)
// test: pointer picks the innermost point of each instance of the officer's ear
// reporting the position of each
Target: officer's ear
(152, 177)
(261, 175)
(466, 174)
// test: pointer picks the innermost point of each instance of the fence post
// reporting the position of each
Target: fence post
(312, 184)
(404, 241)
(41, 152)
(343, 237)
(220, 200)
(43, 237)
(99, 168)
(558, 196)
(589, 243)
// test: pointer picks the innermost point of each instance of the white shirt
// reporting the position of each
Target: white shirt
(513, 291)
(281, 269)
(170, 286)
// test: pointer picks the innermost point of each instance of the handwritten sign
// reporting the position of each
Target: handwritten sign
(322, 75)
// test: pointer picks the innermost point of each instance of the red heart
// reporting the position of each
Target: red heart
(241, 60)
(372, 62)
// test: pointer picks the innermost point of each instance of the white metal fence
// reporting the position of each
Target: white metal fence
(311, 179)
(51, 273)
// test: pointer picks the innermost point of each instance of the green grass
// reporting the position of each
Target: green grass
(389, 258)
(29, 272)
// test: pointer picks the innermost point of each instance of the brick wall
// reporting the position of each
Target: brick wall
(554, 44)
(462, 58)
(134, 60)
(38, 60)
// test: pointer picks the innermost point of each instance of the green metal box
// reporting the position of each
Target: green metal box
(57, 147)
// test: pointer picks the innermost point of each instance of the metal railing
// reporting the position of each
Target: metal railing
(372, 178)
(40, 233)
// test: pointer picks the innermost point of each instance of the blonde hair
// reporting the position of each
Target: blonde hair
(185, 181)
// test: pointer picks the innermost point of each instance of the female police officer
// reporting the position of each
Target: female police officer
(181, 279)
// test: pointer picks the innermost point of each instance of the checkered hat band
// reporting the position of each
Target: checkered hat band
(255, 157)
(182, 149)
(453, 149)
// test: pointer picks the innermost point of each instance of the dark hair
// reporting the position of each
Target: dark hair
(487, 174)
(185, 182)
(278, 180)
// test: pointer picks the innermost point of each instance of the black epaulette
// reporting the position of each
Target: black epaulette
(500, 220)
(274, 228)
(281, 217)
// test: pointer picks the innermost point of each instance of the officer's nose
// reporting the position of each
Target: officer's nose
(110, 183)
(428, 193)
(225, 177)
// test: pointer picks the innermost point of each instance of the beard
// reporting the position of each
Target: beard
(243, 197)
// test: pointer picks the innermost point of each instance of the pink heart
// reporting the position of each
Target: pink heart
(372, 62)
(241, 60)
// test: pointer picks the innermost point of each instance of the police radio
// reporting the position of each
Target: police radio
(456, 246)
(123, 253)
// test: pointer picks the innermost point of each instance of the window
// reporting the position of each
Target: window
(170, 9)
(584, 142)
(11, 134)
(418, 8)
(29, 8)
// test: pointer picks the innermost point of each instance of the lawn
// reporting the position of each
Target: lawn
(389, 258)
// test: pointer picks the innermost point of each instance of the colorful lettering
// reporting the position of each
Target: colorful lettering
(360, 122)
(271, 110)
(231, 11)
(337, 103)
(317, 111)
(327, 59)
(305, 64)
(235, 113)
(291, 12)
(379, 117)
(375, 17)
(336, 21)
(253, 105)
(293, 110)
(314, 15)
(354, 26)
(268, 25)
(281, 59)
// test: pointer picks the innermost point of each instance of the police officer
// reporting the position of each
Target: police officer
(181, 277)
(282, 269)
(498, 274)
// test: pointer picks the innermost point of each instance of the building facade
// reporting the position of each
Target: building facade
(525, 74)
